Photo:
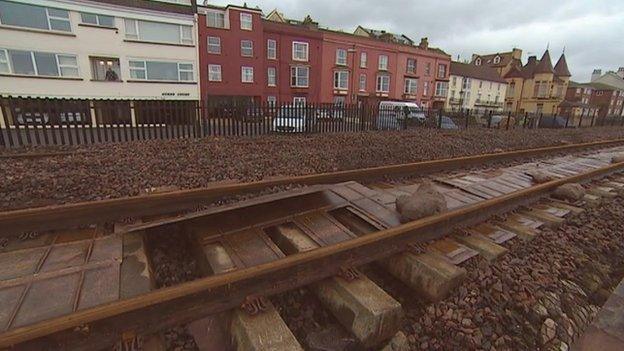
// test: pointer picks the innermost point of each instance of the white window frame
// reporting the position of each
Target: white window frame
(412, 84)
(59, 66)
(362, 82)
(440, 92)
(425, 88)
(411, 68)
(247, 69)
(341, 57)
(339, 79)
(272, 100)
(214, 69)
(48, 18)
(97, 19)
(295, 51)
(242, 49)
(363, 59)
(271, 76)
(182, 40)
(294, 72)
(299, 100)
(443, 66)
(383, 63)
(144, 69)
(271, 49)
(247, 23)
(5, 61)
(217, 13)
(213, 45)
(379, 87)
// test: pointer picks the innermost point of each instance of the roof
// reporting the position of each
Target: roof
(380, 34)
(476, 72)
(544, 65)
(561, 68)
(602, 86)
(505, 58)
(514, 72)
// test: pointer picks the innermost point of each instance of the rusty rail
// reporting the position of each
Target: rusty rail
(84, 213)
(189, 301)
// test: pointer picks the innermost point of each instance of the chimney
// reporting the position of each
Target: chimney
(516, 53)
(532, 60)
(620, 72)
(424, 43)
(596, 74)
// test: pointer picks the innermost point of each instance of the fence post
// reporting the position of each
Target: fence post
(508, 120)
(490, 120)
(593, 119)
(581, 119)
(567, 120)
(440, 119)
(467, 116)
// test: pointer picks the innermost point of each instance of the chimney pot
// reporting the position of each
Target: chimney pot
(424, 43)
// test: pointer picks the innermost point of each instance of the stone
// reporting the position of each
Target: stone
(548, 331)
(617, 158)
(540, 177)
(571, 192)
(425, 201)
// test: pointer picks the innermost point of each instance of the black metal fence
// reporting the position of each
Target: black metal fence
(29, 122)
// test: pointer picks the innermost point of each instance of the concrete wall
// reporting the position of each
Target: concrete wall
(90, 41)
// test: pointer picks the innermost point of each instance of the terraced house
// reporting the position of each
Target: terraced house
(535, 87)
(95, 52)
(247, 57)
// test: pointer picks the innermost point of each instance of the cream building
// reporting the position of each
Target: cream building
(479, 88)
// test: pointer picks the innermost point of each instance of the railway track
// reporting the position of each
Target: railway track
(95, 282)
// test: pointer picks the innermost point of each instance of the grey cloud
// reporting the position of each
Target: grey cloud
(591, 30)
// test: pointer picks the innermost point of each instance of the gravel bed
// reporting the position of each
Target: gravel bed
(126, 169)
(539, 296)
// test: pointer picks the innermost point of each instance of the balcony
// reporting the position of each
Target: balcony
(481, 102)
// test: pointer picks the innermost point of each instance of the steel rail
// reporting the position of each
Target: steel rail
(189, 301)
(84, 213)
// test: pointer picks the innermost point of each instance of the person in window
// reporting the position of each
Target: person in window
(111, 76)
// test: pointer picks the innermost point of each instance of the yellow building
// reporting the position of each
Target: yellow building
(535, 87)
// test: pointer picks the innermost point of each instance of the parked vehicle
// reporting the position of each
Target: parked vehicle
(330, 113)
(403, 110)
(552, 122)
(447, 123)
(293, 119)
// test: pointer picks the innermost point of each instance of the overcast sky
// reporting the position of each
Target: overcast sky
(592, 31)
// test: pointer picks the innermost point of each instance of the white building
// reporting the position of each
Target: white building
(107, 49)
(475, 87)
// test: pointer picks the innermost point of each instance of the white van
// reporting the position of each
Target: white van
(393, 113)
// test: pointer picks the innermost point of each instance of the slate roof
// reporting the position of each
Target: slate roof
(476, 72)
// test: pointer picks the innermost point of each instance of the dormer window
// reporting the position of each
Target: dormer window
(497, 60)
(478, 61)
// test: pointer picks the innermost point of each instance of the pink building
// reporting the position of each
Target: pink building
(245, 57)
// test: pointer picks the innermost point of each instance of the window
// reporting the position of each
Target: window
(454, 81)
(105, 69)
(215, 19)
(214, 73)
(160, 70)
(214, 45)
(441, 71)
(4, 62)
(98, 20)
(480, 84)
(246, 21)
(299, 101)
(158, 32)
(411, 66)
(339, 101)
(299, 51)
(383, 62)
(299, 76)
(246, 48)
(341, 80)
(362, 82)
(271, 76)
(341, 57)
(428, 69)
(478, 62)
(35, 63)
(497, 60)
(31, 16)
(271, 49)
(512, 89)
(247, 74)
(363, 60)
(272, 100)
(426, 89)
(383, 83)
(411, 86)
